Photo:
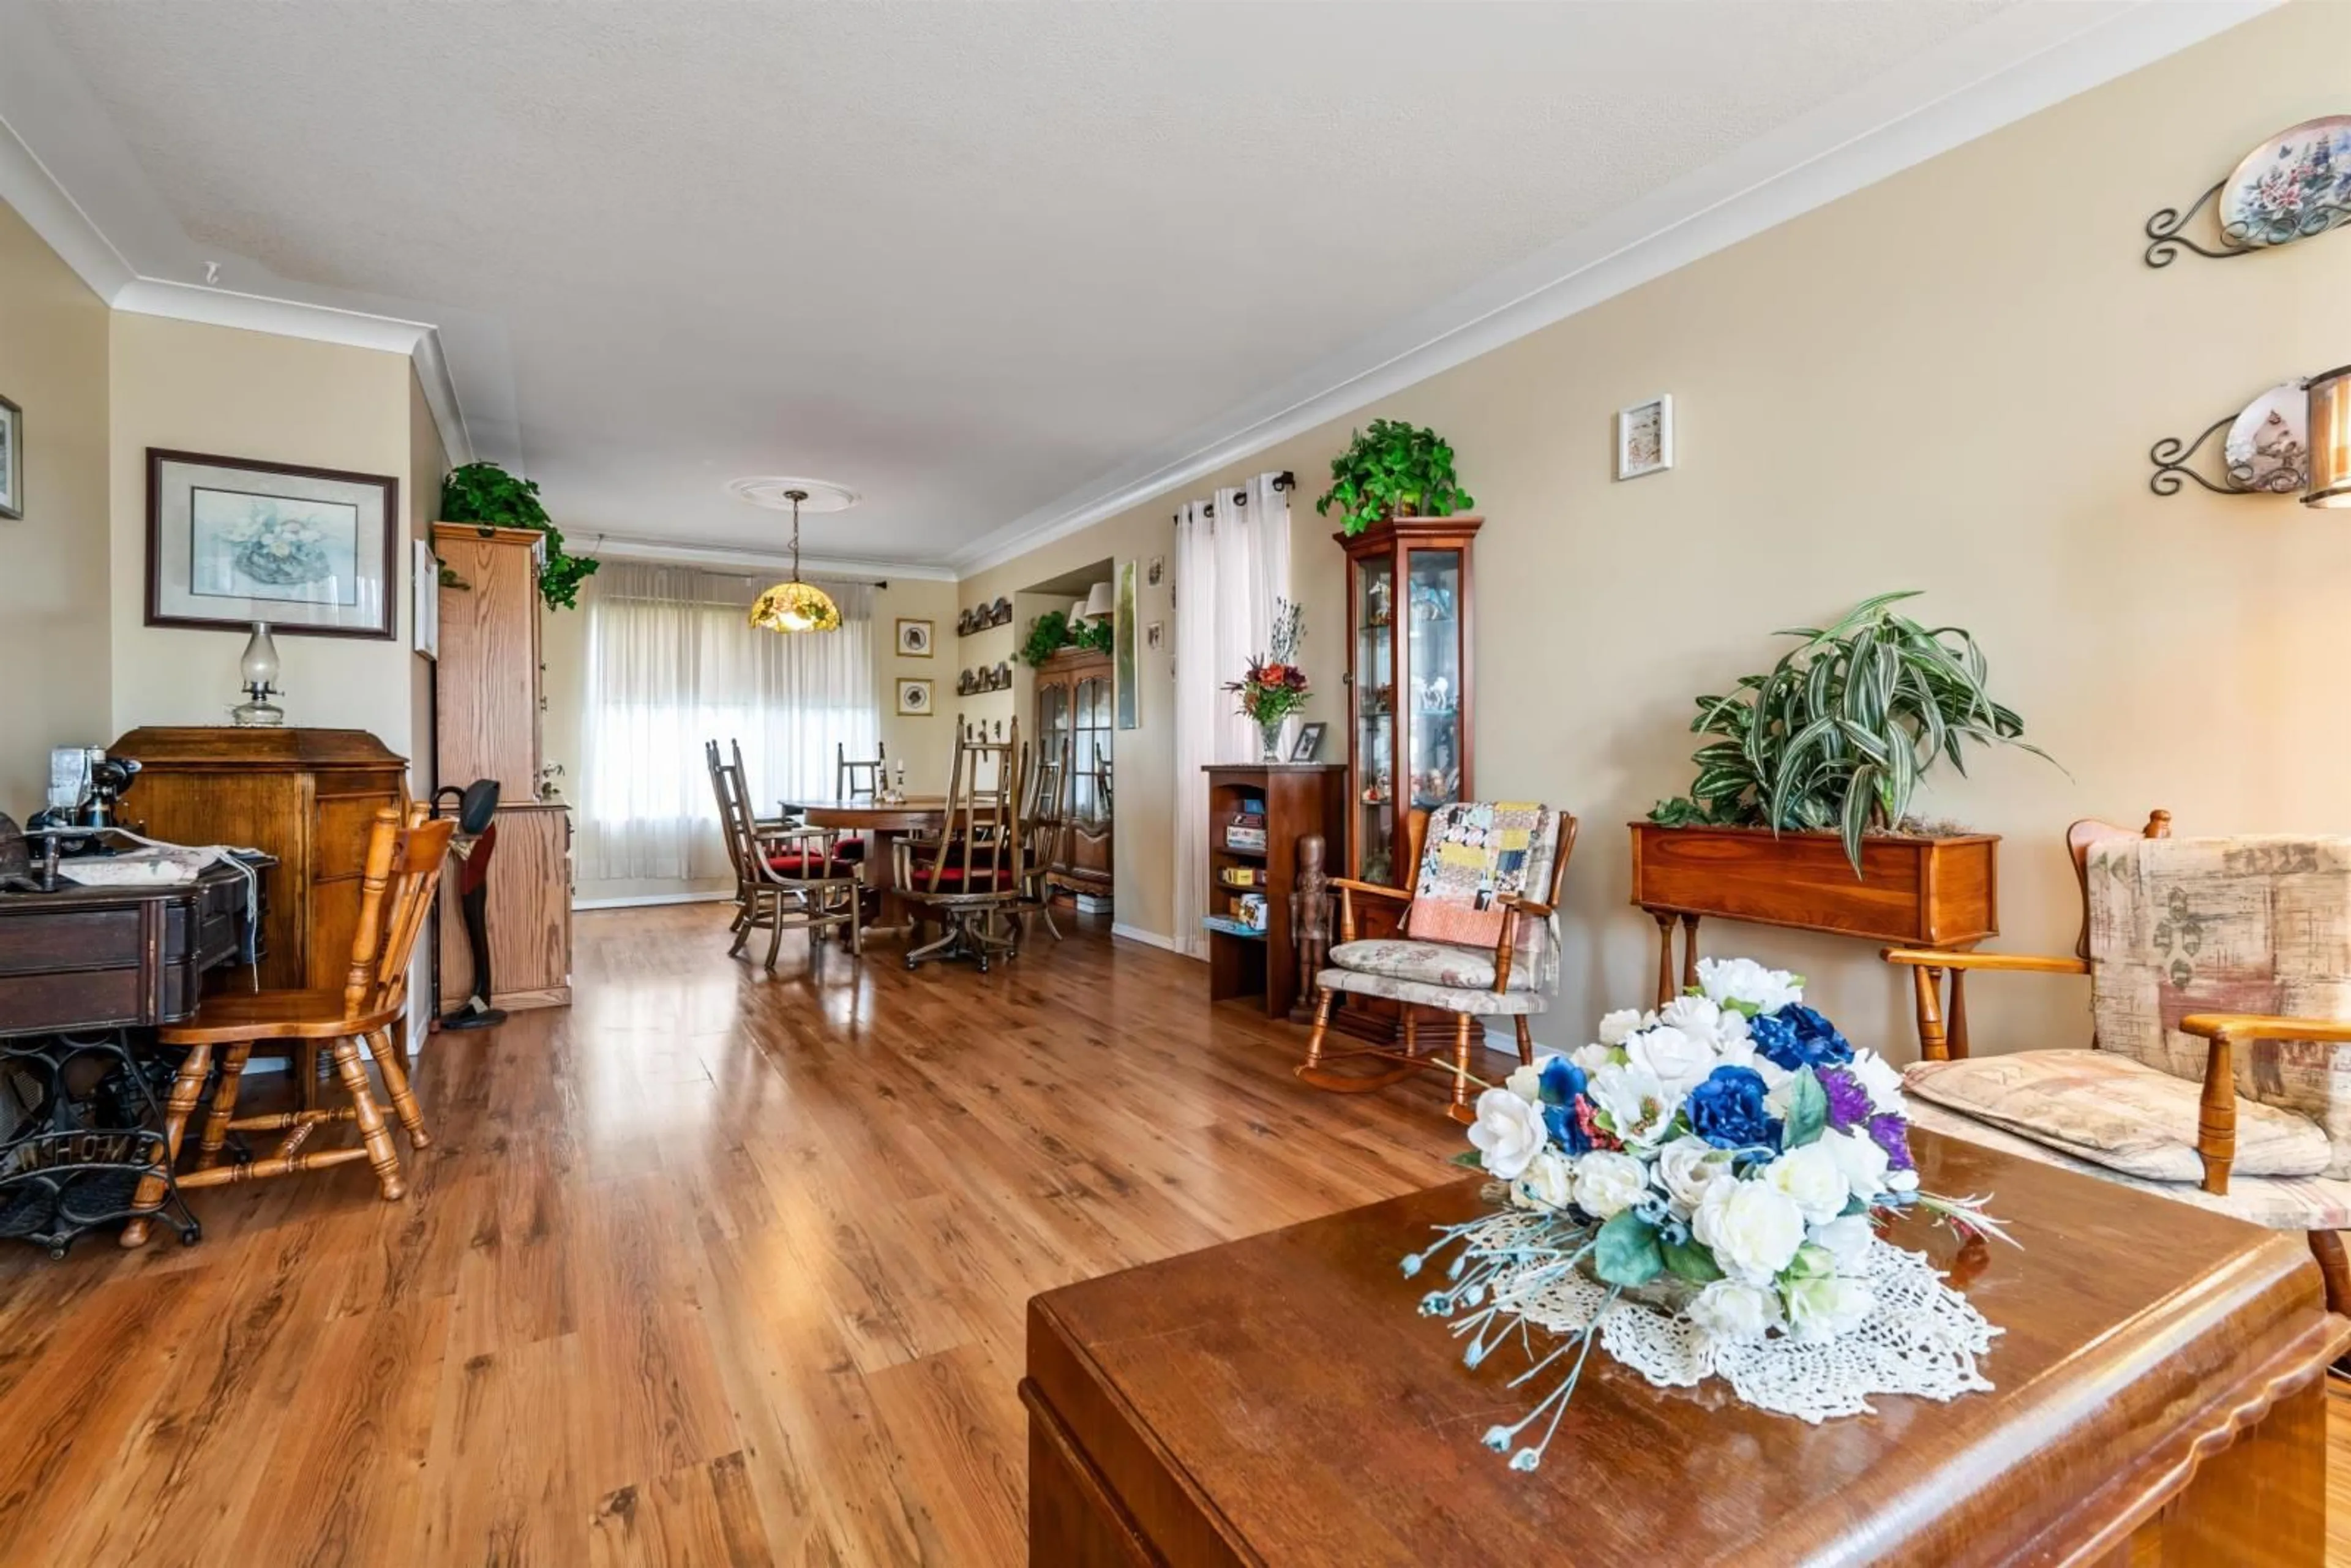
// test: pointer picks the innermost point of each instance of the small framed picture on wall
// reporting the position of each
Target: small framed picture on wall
(913, 639)
(1645, 437)
(914, 697)
(12, 460)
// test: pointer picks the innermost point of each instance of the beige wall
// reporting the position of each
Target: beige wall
(54, 647)
(1948, 381)
(224, 391)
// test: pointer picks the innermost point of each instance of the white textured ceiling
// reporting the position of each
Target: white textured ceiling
(963, 259)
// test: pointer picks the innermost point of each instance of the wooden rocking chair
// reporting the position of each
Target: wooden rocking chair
(406, 853)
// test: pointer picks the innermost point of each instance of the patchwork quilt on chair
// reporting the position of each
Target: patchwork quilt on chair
(1477, 854)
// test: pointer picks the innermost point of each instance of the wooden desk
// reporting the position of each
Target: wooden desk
(1278, 1400)
(84, 958)
(924, 815)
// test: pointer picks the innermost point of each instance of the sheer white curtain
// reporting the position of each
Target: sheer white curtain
(1232, 561)
(672, 663)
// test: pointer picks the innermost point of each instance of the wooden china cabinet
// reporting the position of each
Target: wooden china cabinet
(1075, 720)
(1409, 635)
(1408, 679)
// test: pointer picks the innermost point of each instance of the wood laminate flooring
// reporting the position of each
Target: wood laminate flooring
(712, 1267)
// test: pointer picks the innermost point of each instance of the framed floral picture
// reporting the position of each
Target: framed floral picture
(12, 460)
(313, 551)
(914, 697)
(913, 639)
(1645, 437)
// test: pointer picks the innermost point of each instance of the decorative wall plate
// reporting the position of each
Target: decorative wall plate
(2269, 445)
(2294, 185)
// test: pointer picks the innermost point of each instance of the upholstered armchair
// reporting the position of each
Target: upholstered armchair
(2219, 1070)
(1472, 941)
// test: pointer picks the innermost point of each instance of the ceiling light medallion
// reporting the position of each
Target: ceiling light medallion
(794, 605)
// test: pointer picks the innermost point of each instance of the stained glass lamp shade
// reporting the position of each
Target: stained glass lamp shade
(796, 606)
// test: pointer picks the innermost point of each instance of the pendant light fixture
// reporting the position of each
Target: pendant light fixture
(794, 605)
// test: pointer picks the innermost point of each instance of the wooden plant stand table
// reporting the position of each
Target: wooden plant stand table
(2159, 1399)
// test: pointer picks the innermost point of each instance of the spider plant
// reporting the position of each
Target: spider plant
(1837, 735)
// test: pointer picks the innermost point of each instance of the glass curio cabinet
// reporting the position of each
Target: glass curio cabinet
(1408, 677)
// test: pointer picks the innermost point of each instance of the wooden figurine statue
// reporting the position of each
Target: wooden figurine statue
(1310, 923)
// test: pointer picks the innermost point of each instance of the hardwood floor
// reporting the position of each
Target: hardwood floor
(713, 1268)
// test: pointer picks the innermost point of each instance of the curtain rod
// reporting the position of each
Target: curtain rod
(1285, 480)
(746, 574)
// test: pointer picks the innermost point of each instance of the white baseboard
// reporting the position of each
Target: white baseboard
(646, 900)
(1148, 938)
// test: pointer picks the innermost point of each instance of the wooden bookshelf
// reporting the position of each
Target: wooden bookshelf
(1301, 799)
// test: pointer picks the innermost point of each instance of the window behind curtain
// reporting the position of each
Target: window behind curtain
(672, 663)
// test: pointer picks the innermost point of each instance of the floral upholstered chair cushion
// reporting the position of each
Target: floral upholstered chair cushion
(1477, 854)
(2103, 1107)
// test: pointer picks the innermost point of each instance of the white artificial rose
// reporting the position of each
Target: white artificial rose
(1848, 1240)
(1732, 1313)
(1830, 1305)
(1638, 1106)
(1746, 984)
(1809, 1178)
(1774, 1076)
(1881, 1079)
(1679, 1060)
(1615, 1026)
(1526, 1083)
(1548, 1182)
(1778, 1095)
(1509, 1133)
(1687, 1169)
(1858, 1155)
(1751, 1229)
(1902, 1181)
(1593, 1057)
(1698, 1017)
(1606, 1184)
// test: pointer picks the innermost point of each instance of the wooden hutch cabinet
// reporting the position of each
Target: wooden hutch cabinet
(1076, 721)
(1408, 694)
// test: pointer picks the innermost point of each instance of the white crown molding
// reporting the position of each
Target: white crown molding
(683, 553)
(42, 200)
(2021, 61)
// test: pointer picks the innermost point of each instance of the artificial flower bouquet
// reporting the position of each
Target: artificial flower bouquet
(1717, 1162)
(1274, 686)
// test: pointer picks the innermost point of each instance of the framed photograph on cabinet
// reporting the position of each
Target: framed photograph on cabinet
(12, 460)
(1309, 742)
(913, 639)
(1645, 437)
(913, 697)
(230, 542)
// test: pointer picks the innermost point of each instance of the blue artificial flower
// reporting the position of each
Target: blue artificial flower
(1727, 1110)
(1566, 1128)
(1797, 1036)
(1561, 1082)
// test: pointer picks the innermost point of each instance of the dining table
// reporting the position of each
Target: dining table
(881, 822)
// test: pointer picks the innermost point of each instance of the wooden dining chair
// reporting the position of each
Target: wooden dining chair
(851, 779)
(968, 878)
(405, 851)
(789, 881)
(1043, 822)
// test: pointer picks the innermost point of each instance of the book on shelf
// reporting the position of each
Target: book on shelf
(1242, 875)
(1231, 927)
(1240, 837)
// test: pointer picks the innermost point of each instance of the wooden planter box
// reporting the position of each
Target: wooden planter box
(1918, 893)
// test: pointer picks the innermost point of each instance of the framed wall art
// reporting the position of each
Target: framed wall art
(1645, 437)
(313, 551)
(914, 697)
(1123, 661)
(913, 639)
(425, 599)
(12, 460)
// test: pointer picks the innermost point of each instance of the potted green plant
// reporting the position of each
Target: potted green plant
(1053, 632)
(486, 494)
(1391, 471)
(1799, 812)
